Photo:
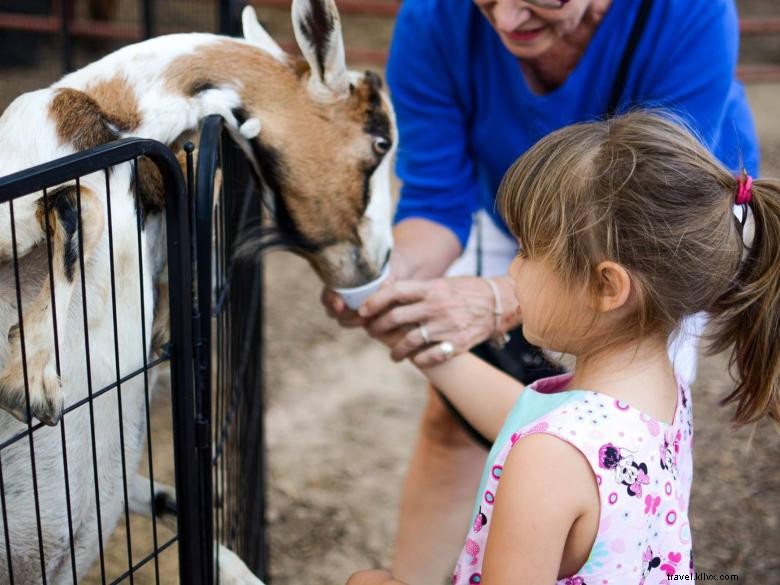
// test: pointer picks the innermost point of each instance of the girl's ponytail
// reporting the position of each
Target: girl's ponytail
(747, 315)
(640, 190)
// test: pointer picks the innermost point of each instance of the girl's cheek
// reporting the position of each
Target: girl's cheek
(514, 270)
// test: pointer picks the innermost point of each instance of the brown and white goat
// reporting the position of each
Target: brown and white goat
(319, 137)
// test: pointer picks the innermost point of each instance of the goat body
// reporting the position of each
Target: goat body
(318, 136)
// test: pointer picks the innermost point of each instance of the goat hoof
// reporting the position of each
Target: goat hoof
(50, 412)
(164, 503)
(18, 413)
(46, 398)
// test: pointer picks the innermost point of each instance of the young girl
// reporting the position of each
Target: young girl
(625, 227)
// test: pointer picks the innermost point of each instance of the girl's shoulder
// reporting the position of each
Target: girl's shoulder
(643, 471)
(587, 418)
(617, 439)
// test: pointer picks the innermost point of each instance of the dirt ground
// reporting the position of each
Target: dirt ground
(342, 422)
(342, 419)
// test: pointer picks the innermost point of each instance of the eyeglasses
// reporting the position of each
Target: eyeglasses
(548, 3)
(545, 4)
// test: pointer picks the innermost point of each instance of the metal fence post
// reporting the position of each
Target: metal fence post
(230, 311)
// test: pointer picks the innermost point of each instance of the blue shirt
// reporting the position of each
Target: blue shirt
(465, 111)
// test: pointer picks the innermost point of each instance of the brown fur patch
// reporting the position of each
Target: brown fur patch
(300, 66)
(316, 156)
(40, 216)
(150, 187)
(89, 118)
(118, 101)
(369, 103)
(79, 119)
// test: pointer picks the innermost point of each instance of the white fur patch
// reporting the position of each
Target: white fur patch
(222, 101)
(376, 231)
(251, 128)
(255, 34)
(232, 570)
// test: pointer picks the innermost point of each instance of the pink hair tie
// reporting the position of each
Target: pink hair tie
(745, 191)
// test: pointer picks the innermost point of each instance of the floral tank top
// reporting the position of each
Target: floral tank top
(643, 470)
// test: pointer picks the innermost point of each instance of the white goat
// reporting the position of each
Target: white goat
(319, 138)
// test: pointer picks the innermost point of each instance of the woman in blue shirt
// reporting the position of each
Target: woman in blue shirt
(474, 84)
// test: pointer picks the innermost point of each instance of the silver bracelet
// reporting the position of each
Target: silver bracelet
(498, 338)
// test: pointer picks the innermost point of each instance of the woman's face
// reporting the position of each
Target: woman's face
(528, 28)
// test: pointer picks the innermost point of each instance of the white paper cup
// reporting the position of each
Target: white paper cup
(354, 297)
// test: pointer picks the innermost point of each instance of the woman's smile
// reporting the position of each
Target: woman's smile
(525, 35)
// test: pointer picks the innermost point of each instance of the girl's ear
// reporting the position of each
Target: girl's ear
(614, 286)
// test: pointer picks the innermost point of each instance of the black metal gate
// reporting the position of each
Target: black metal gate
(215, 360)
(229, 348)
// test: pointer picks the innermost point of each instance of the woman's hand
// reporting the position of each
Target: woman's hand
(423, 249)
(338, 310)
(417, 315)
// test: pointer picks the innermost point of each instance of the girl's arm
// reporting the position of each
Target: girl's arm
(546, 485)
(483, 394)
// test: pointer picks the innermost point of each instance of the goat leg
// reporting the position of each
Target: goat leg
(162, 500)
(232, 570)
(142, 500)
(45, 394)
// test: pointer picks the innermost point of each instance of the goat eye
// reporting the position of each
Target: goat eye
(381, 145)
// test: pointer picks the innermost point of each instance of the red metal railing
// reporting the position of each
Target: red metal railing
(386, 8)
(754, 73)
(78, 27)
(377, 8)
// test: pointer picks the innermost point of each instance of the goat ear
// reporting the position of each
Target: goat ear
(317, 29)
(258, 36)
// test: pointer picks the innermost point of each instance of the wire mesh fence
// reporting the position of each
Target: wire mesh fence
(97, 305)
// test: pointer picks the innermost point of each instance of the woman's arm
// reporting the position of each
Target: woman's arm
(422, 249)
